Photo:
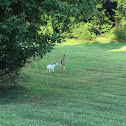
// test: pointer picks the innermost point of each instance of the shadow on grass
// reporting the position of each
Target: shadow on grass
(12, 94)
(105, 45)
(21, 95)
(25, 95)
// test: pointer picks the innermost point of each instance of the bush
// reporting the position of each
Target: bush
(120, 34)
(82, 31)
(117, 34)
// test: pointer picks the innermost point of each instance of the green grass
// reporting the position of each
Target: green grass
(91, 92)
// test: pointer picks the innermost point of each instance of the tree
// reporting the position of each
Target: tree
(120, 12)
(119, 31)
(102, 21)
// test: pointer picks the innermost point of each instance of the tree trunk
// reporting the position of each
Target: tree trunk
(117, 19)
(123, 20)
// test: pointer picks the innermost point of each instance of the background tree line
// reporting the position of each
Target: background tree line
(108, 21)
(30, 28)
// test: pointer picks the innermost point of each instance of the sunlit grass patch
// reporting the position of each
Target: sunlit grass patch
(120, 49)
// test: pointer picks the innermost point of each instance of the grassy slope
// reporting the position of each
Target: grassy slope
(91, 92)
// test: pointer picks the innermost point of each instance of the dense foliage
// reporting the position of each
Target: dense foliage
(108, 20)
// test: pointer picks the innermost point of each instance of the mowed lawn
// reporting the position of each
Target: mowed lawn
(91, 92)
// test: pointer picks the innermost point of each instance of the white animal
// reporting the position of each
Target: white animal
(50, 67)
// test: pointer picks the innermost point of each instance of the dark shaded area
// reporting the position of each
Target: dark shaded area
(13, 95)
(109, 7)
(108, 46)
(22, 94)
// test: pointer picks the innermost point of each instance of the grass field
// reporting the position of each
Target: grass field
(91, 92)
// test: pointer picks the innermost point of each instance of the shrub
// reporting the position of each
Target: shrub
(81, 31)
(120, 34)
(117, 34)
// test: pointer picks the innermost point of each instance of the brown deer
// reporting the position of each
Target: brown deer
(62, 63)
